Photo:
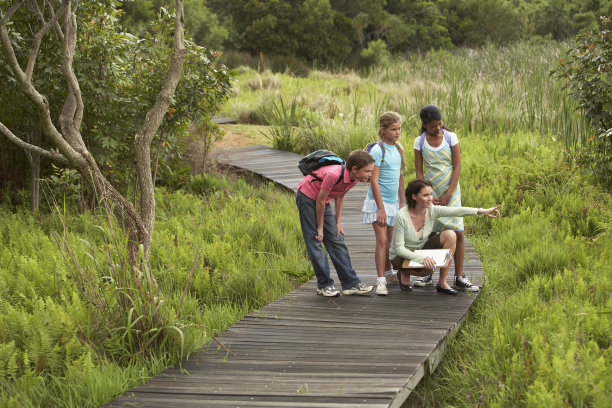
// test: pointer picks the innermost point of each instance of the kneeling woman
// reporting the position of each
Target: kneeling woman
(413, 226)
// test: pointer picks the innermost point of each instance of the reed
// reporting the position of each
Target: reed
(491, 90)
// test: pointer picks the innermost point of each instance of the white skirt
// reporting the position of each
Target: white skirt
(371, 211)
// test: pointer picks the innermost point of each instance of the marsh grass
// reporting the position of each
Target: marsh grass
(491, 91)
(54, 350)
(539, 334)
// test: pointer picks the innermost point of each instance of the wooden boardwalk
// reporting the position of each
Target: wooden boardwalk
(305, 350)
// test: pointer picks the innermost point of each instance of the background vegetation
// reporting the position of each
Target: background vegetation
(334, 32)
(533, 118)
(61, 345)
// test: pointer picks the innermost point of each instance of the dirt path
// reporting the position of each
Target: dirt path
(238, 135)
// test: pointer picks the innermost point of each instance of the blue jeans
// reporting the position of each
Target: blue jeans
(338, 252)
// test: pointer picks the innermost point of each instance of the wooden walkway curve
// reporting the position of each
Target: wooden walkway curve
(305, 350)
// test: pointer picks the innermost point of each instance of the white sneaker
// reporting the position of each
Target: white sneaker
(329, 291)
(425, 281)
(359, 289)
(464, 283)
(381, 289)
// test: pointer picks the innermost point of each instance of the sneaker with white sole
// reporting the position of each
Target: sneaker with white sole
(392, 278)
(461, 282)
(329, 291)
(381, 289)
(424, 281)
(359, 289)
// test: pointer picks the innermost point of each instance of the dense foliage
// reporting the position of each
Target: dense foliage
(61, 345)
(587, 71)
(200, 23)
(331, 32)
(119, 76)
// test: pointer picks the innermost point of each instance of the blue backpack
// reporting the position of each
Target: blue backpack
(446, 137)
(317, 159)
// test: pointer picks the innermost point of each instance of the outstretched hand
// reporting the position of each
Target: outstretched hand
(491, 212)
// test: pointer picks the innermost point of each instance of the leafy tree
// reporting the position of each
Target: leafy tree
(474, 22)
(424, 25)
(310, 29)
(201, 24)
(65, 135)
(119, 77)
(318, 39)
(375, 54)
(587, 71)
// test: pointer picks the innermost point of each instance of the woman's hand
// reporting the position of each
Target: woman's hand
(381, 216)
(490, 212)
(429, 263)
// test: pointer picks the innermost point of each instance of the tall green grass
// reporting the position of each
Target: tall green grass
(540, 333)
(491, 90)
(55, 349)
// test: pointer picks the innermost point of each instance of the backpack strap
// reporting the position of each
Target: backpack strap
(341, 173)
(446, 137)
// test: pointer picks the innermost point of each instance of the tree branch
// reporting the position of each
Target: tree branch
(50, 154)
(153, 120)
(41, 103)
(35, 48)
(6, 17)
(72, 113)
(57, 27)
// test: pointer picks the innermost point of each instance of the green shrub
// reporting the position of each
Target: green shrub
(376, 54)
(587, 71)
(54, 344)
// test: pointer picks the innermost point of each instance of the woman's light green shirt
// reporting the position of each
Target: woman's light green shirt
(406, 239)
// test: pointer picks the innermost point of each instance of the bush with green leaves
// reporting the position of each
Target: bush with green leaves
(375, 55)
(119, 77)
(200, 23)
(587, 71)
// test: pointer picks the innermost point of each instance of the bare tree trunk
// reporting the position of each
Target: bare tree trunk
(152, 122)
(67, 141)
(34, 161)
(35, 181)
